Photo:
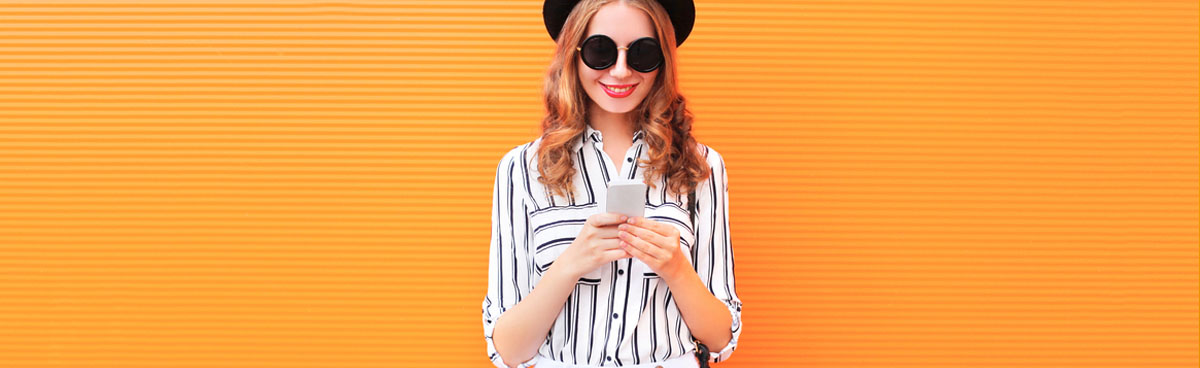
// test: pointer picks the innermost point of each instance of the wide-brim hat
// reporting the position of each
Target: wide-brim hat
(682, 13)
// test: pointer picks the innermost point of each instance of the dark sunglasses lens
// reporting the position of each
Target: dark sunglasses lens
(644, 55)
(599, 52)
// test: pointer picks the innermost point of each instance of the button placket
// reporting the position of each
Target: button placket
(619, 315)
(629, 158)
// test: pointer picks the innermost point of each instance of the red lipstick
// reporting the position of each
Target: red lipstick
(618, 90)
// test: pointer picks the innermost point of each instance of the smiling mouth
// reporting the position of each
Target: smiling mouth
(618, 91)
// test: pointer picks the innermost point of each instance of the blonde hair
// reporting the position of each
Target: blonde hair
(663, 117)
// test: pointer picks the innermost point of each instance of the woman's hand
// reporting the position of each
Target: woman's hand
(595, 246)
(654, 243)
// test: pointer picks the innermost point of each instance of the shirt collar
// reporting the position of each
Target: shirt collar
(596, 136)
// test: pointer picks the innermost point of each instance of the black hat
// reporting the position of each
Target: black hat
(682, 13)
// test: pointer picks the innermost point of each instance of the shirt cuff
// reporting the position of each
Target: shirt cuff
(717, 357)
(501, 364)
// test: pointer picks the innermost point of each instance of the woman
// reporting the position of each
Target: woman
(569, 286)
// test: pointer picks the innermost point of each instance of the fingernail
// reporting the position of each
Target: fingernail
(622, 227)
(631, 220)
(623, 218)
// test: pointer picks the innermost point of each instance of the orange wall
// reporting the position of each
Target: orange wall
(307, 184)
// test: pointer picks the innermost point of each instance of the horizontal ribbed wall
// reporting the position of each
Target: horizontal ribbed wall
(307, 184)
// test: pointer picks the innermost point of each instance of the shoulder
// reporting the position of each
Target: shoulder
(521, 153)
(717, 178)
(714, 158)
(518, 161)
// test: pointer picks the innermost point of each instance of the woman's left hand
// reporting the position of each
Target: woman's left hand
(654, 243)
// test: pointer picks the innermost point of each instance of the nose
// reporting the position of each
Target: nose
(621, 69)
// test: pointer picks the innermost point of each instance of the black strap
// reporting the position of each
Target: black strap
(701, 350)
(701, 354)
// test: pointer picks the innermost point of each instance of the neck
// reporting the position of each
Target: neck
(611, 125)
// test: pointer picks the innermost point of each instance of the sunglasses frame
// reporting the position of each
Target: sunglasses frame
(579, 49)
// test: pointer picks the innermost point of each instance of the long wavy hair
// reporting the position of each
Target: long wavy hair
(663, 116)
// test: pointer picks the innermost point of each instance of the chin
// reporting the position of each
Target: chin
(616, 106)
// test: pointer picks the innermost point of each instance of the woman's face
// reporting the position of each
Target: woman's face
(623, 24)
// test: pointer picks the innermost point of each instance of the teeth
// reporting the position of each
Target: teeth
(618, 90)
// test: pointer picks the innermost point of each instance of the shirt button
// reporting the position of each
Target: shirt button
(620, 272)
(608, 358)
(614, 316)
(630, 159)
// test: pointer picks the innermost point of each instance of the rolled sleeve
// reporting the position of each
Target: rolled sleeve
(713, 253)
(508, 265)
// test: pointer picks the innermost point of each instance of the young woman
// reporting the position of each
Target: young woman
(569, 286)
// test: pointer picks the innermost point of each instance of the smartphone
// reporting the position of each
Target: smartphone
(626, 197)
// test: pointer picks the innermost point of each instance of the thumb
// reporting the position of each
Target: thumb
(606, 219)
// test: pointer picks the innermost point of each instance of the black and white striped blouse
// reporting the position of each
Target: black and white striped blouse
(621, 313)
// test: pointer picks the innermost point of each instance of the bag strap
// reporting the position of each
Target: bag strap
(701, 350)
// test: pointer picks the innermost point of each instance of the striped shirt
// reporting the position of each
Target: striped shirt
(620, 313)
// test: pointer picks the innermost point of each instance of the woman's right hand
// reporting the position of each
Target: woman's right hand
(596, 245)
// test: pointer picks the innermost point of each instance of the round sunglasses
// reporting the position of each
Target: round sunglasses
(600, 52)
